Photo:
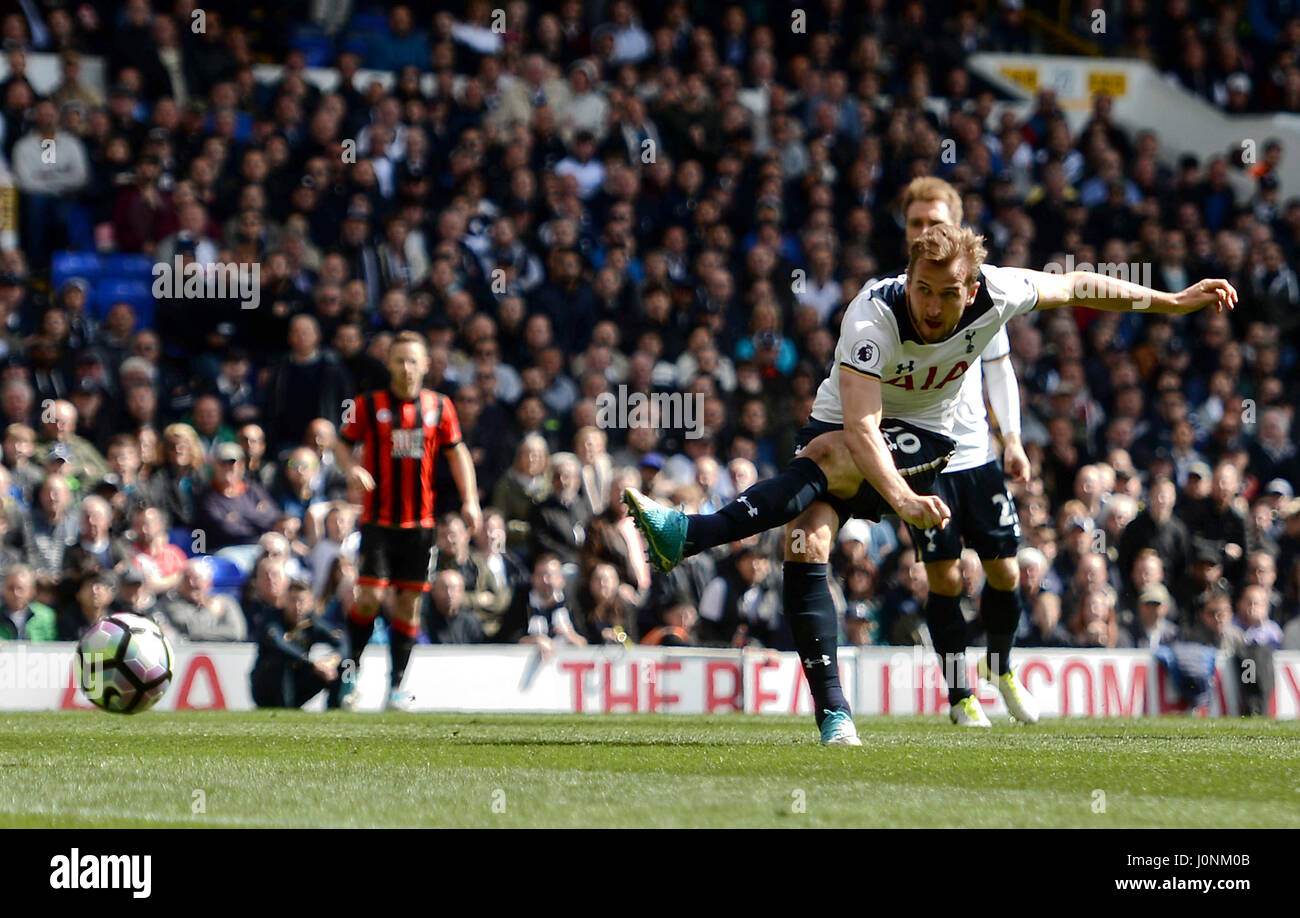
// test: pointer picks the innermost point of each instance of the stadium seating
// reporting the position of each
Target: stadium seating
(226, 576)
(118, 277)
(316, 47)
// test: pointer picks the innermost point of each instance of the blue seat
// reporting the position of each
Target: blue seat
(127, 266)
(369, 21)
(137, 293)
(226, 576)
(352, 45)
(65, 265)
(180, 537)
(317, 50)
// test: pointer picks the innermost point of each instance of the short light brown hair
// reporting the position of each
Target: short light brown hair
(930, 188)
(20, 432)
(410, 337)
(943, 242)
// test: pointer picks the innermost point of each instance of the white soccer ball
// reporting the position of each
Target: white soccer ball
(124, 664)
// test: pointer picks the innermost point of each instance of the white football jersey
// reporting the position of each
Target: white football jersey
(922, 383)
(970, 425)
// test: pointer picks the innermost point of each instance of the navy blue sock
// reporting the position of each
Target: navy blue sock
(811, 613)
(1000, 610)
(948, 634)
(764, 506)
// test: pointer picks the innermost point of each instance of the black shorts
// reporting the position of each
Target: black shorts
(397, 557)
(983, 516)
(920, 455)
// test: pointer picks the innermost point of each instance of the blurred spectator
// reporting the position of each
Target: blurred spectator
(151, 551)
(21, 617)
(1214, 626)
(483, 594)
(50, 529)
(1216, 518)
(195, 613)
(265, 594)
(135, 597)
(301, 486)
(49, 183)
(862, 609)
(338, 535)
(284, 674)
(523, 487)
(540, 612)
(84, 461)
(491, 543)
(309, 382)
(257, 465)
(1151, 626)
(1045, 628)
(902, 607)
(607, 617)
(448, 619)
(558, 525)
(743, 603)
(589, 445)
(1095, 622)
(233, 510)
(98, 548)
(1252, 614)
(94, 595)
(174, 486)
(676, 630)
(19, 447)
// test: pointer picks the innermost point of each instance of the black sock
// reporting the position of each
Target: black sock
(811, 613)
(763, 506)
(1000, 610)
(948, 634)
(359, 632)
(399, 645)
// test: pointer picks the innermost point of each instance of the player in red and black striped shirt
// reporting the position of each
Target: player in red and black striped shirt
(400, 431)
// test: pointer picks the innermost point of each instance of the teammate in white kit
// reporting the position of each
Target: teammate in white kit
(884, 416)
(983, 512)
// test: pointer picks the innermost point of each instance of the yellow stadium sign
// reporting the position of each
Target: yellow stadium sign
(1113, 83)
(1024, 77)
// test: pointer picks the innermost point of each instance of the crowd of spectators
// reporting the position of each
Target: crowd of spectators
(673, 198)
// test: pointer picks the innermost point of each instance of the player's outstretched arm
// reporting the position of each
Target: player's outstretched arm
(863, 408)
(1100, 291)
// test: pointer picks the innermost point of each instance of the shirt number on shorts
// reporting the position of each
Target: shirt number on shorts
(1007, 515)
(907, 442)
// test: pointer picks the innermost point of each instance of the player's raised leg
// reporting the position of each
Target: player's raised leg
(825, 466)
(810, 611)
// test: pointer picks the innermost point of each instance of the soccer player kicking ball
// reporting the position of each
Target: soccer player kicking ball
(400, 430)
(905, 346)
(983, 512)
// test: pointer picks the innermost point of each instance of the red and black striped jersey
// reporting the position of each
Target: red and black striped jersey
(400, 439)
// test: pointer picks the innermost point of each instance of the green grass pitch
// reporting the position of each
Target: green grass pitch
(74, 769)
